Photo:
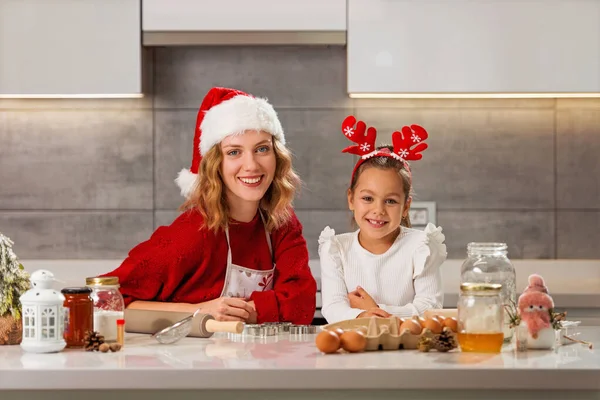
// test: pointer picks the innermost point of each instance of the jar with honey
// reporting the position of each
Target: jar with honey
(480, 317)
(489, 263)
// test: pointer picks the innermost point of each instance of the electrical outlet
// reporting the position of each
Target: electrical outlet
(421, 213)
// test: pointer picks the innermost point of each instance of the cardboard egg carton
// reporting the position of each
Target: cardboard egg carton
(383, 333)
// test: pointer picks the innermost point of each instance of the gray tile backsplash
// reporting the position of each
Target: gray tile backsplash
(528, 234)
(82, 234)
(92, 178)
(298, 77)
(577, 155)
(478, 158)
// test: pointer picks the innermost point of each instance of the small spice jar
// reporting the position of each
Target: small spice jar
(79, 314)
(109, 306)
(480, 317)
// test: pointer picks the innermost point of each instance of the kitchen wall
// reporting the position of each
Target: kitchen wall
(92, 178)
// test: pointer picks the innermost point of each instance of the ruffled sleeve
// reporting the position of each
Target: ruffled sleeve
(432, 251)
(336, 306)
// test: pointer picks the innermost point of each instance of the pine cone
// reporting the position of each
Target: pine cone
(425, 344)
(93, 340)
(444, 341)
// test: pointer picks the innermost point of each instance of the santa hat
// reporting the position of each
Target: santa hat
(226, 112)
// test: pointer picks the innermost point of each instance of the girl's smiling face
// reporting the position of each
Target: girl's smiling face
(379, 204)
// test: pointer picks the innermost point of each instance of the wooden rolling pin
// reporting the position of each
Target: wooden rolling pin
(208, 325)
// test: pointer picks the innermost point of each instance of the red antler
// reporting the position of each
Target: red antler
(365, 143)
(408, 144)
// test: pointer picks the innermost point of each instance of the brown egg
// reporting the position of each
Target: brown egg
(337, 331)
(400, 322)
(433, 325)
(354, 341)
(439, 318)
(419, 320)
(327, 342)
(412, 325)
(451, 323)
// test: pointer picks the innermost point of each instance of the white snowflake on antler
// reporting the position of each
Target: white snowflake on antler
(348, 131)
(403, 153)
(365, 147)
(415, 138)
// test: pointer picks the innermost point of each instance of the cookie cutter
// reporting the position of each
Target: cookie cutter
(260, 330)
(303, 329)
(281, 327)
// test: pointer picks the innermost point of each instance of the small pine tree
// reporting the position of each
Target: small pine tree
(14, 280)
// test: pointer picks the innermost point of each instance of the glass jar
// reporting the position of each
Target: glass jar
(489, 263)
(109, 306)
(480, 318)
(79, 314)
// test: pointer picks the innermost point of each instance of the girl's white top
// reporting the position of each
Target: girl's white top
(404, 281)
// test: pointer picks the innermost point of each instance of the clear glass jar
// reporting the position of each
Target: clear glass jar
(480, 318)
(489, 263)
(79, 314)
(109, 306)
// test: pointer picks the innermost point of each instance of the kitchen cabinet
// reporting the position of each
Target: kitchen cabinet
(466, 48)
(70, 48)
(198, 22)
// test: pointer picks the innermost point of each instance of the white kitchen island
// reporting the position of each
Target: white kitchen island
(232, 366)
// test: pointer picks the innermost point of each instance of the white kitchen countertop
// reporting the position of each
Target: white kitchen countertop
(228, 362)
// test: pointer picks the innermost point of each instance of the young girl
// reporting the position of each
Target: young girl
(237, 251)
(385, 267)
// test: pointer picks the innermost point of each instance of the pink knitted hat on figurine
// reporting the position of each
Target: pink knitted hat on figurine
(536, 284)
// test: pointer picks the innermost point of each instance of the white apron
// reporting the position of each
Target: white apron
(240, 281)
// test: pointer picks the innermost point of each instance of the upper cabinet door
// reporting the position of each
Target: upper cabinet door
(474, 47)
(70, 47)
(244, 15)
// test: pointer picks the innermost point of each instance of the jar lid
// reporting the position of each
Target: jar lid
(488, 288)
(76, 290)
(102, 280)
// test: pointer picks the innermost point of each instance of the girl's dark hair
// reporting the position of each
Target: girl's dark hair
(387, 163)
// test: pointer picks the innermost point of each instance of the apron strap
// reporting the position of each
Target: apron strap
(267, 235)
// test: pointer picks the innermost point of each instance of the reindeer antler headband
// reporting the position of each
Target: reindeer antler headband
(408, 143)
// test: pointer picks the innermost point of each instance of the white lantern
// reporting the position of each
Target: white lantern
(43, 315)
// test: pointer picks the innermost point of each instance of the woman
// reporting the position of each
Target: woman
(237, 250)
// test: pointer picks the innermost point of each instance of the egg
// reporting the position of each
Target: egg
(451, 323)
(433, 325)
(353, 341)
(327, 342)
(419, 320)
(400, 322)
(413, 327)
(337, 331)
(439, 318)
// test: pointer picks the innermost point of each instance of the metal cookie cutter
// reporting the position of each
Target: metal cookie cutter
(302, 329)
(260, 330)
(280, 327)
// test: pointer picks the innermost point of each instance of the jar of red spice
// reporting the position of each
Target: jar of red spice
(79, 314)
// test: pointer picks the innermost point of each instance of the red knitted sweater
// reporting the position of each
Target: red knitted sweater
(186, 264)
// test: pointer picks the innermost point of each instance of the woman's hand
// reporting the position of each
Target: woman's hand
(228, 309)
(359, 298)
(374, 312)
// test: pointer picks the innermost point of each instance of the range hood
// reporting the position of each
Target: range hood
(467, 48)
(242, 22)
